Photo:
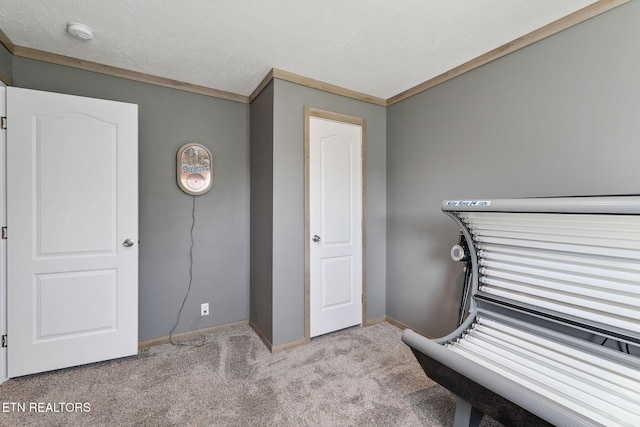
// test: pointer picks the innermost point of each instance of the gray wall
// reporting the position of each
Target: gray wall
(5, 62)
(169, 118)
(560, 117)
(261, 313)
(288, 203)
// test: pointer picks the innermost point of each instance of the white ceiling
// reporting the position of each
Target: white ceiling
(377, 47)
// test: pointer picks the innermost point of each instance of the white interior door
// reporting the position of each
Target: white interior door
(3, 243)
(72, 203)
(335, 225)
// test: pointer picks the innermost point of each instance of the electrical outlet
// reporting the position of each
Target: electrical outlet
(204, 309)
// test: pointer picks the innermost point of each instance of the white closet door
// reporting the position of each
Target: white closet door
(72, 188)
(335, 203)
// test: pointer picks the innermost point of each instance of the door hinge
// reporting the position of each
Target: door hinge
(4, 233)
(3, 122)
(4, 341)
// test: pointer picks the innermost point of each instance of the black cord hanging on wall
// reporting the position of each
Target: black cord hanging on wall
(184, 300)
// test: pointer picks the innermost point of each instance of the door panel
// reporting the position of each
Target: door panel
(67, 139)
(336, 193)
(337, 274)
(62, 303)
(72, 201)
(335, 217)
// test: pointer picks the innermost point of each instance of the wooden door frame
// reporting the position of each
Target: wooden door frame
(310, 112)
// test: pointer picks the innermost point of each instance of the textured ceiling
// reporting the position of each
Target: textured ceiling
(377, 47)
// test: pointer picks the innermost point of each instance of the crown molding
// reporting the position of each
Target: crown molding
(597, 8)
(4, 78)
(276, 73)
(68, 61)
(6, 42)
(263, 84)
(326, 87)
(561, 24)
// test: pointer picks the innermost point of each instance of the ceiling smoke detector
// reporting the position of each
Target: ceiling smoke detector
(79, 30)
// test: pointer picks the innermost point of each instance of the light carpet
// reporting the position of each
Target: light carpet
(355, 377)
